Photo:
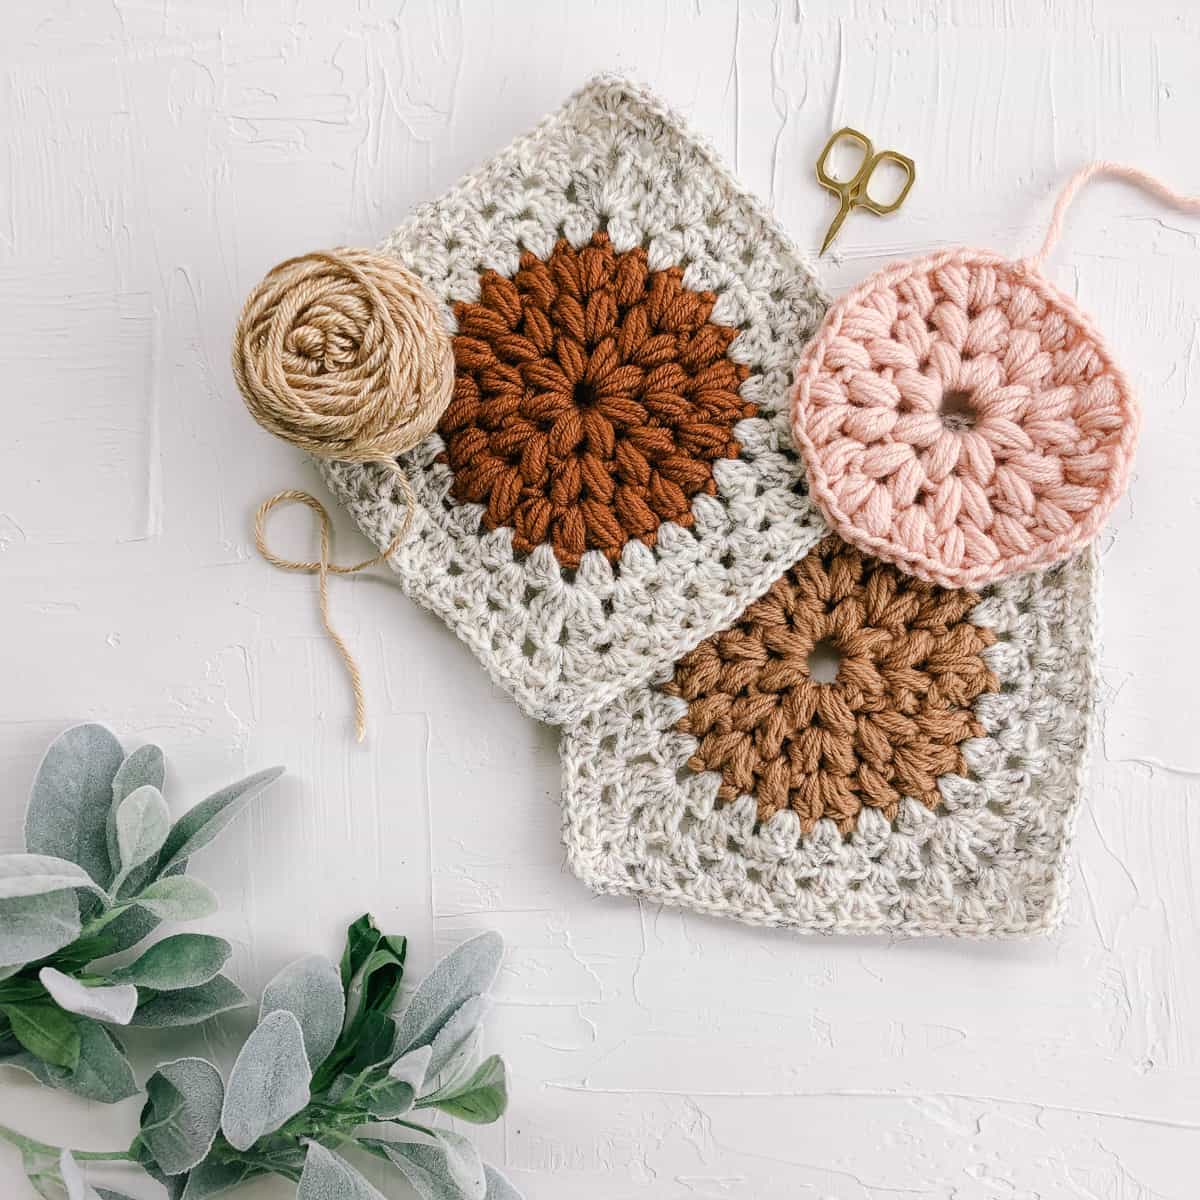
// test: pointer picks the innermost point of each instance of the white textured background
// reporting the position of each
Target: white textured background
(158, 156)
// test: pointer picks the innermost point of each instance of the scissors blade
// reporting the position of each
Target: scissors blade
(836, 224)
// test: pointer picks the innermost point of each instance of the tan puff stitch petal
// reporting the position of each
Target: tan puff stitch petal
(888, 726)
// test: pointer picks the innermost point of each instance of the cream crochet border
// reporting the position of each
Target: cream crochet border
(992, 861)
(614, 156)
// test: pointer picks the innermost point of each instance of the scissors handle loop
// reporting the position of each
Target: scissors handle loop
(909, 168)
(854, 192)
(842, 186)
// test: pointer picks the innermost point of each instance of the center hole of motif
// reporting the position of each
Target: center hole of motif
(584, 394)
(956, 410)
(824, 662)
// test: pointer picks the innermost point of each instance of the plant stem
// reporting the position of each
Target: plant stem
(410, 1125)
(27, 1143)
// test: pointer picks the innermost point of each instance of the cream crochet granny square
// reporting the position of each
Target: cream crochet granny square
(929, 788)
(615, 478)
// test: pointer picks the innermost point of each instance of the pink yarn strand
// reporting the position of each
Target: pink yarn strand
(1118, 171)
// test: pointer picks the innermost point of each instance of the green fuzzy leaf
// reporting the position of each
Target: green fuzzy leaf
(183, 960)
(182, 1113)
(457, 1042)
(190, 1006)
(380, 977)
(339, 1088)
(172, 1184)
(177, 898)
(102, 1073)
(144, 767)
(22, 989)
(374, 985)
(71, 797)
(211, 1179)
(108, 1194)
(46, 1031)
(37, 874)
(425, 1167)
(114, 1004)
(382, 1092)
(310, 989)
(268, 1083)
(142, 822)
(197, 827)
(463, 1162)
(374, 988)
(370, 994)
(32, 927)
(72, 1177)
(412, 1068)
(384, 1099)
(498, 1188)
(328, 1177)
(41, 1166)
(133, 925)
(77, 1187)
(361, 938)
(376, 1039)
(396, 1092)
(468, 970)
(481, 1099)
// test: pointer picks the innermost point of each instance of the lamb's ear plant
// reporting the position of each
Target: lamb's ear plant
(330, 1067)
(104, 866)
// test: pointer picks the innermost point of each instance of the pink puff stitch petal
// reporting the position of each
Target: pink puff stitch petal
(963, 419)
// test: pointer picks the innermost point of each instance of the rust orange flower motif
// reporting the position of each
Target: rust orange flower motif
(891, 721)
(592, 397)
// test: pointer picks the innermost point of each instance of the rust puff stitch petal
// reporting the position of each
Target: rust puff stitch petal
(592, 398)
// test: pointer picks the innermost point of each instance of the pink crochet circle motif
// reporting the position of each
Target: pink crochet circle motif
(962, 418)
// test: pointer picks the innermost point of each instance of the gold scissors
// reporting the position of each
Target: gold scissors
(854, 191)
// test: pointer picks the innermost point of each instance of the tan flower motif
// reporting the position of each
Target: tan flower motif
(591, 399)
(890, 723)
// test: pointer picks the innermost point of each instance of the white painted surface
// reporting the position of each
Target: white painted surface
(158, 157)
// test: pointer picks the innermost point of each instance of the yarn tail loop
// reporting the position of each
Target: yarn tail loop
(1134, 175)
(322, 567)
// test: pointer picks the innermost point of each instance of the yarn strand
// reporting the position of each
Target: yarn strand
(1116, 170)
(343, 353)
(323, 568)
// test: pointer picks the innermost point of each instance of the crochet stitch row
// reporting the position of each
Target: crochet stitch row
(989, 861)
(1028, 461)
(568, 623)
